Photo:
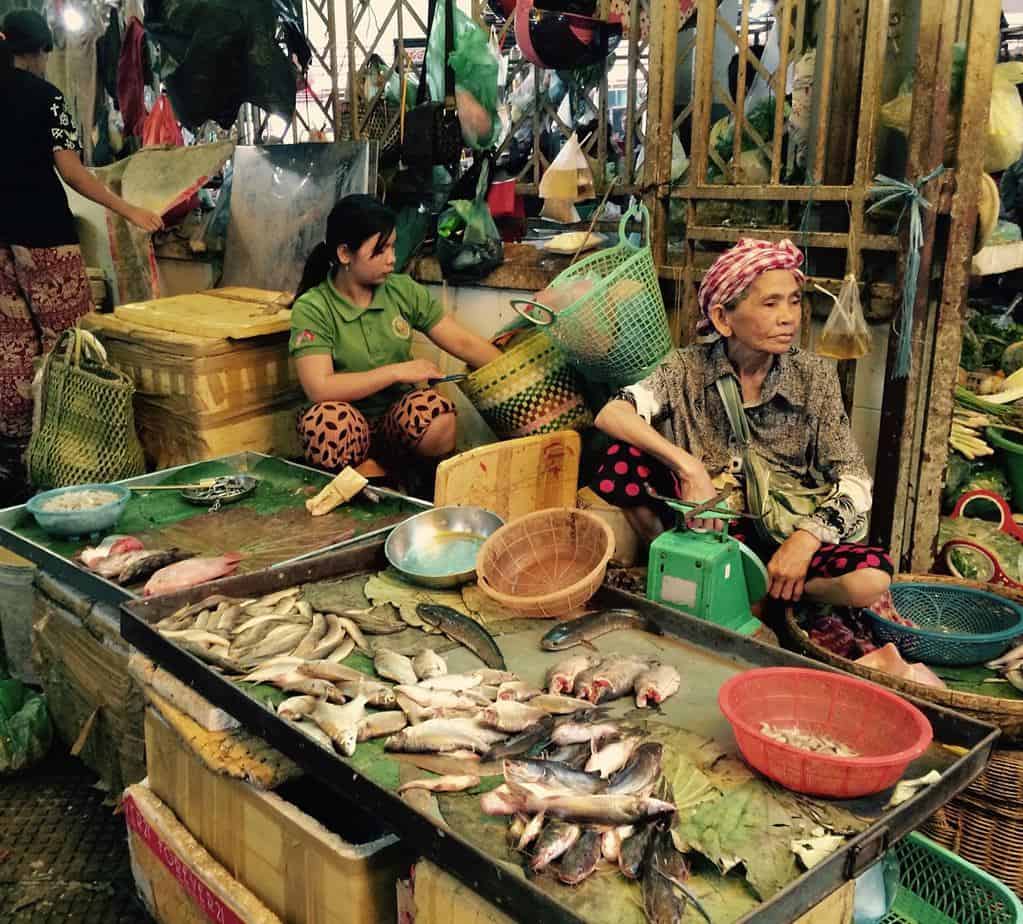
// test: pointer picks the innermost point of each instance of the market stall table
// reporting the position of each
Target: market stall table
(472, 846)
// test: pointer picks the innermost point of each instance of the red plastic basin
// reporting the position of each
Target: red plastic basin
(887, 731)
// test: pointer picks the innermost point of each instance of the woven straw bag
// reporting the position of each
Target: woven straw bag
(530, 389)
(84, 431)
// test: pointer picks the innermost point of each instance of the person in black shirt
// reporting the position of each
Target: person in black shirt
(43, 285)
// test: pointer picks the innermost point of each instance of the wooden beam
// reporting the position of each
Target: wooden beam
(898, 442)
(849, 84)
(835, 240)
(660, 106)
(784, 10)
(982, 51)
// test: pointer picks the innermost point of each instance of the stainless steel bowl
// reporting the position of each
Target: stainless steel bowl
(438, 548)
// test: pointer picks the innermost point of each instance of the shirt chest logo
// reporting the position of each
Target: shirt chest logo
(401, 327)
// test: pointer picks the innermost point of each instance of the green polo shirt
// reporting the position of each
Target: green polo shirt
(360, 339)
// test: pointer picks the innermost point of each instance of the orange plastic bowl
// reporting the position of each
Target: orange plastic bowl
(883, 728)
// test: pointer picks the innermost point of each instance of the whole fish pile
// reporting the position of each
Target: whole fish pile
(124, 560)
(595, 799)
(601, 679)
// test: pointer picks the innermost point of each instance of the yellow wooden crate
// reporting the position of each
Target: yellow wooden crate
(237, 313)
(303, 872)
(513, 477)
(178, 881)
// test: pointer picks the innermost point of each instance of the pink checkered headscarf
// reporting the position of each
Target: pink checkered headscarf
(736, 269)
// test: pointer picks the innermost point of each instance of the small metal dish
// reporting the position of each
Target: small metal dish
(438, 547)
(225, 490)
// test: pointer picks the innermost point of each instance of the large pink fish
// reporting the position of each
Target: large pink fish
(188, 573)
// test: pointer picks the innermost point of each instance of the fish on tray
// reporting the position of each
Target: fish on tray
(91, 556)
(136, 565)
(656, 684)
(184, 574)
(561, 677)
(463, 630)
(583, 630)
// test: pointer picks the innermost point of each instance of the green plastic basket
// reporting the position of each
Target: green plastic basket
(618, 331)
(938, 887)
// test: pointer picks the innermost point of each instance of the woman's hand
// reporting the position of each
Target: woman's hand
(697, 488)
(144, 219)
(415, 371)
(788, 566)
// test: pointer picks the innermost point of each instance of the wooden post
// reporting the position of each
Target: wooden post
(898, 446)
(982, 51)
(660, 108)
(353, 82)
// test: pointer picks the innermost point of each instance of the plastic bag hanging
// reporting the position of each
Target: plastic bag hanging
(845, 334)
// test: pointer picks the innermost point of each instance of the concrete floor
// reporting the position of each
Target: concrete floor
(63, 851)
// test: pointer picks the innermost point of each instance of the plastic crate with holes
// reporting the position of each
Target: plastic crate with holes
(938, 887)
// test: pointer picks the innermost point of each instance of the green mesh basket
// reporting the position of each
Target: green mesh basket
(951, 625)
(617, 332)
(937, 887)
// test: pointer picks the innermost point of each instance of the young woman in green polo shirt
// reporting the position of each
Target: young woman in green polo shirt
(351, 336)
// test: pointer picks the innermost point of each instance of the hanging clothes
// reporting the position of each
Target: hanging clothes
(131, 79)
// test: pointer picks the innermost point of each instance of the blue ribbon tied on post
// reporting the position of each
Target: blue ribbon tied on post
(888, 191)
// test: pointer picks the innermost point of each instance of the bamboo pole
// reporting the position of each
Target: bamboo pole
(780, 76)
(740, 88)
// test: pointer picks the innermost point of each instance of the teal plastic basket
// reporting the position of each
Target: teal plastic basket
(951, 625)
(618, 331)
(938, 887)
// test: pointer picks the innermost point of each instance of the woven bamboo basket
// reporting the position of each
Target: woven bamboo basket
(547, 563)
(984, 823)
(1006, 714)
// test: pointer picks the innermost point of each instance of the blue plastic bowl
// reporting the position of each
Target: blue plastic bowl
(952, 625)
(78, 522)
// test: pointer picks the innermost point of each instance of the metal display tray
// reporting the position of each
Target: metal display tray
(516, 896)
(102, 590)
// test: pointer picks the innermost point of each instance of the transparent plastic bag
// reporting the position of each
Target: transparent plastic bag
(846, 334)
(569, 176)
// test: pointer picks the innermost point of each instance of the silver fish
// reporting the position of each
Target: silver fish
(615, 678)
(517, 690)
(453, 682)
(449, 783)
(656, 684)
(381, 723)
(559, 705)
(509, 716)
(328, 670)
(580, 860)
(556, 838)
(577, 732)
(395, 667)
(612, 756)
(427, 664)
(531, 831)
(332, 637)
(314, 635)
(295, 707)
(441, 735)
(561, 677)
(341, 723)
(599, 809)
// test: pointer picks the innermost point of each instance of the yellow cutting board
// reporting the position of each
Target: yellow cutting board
(234, 313)
(514, 477)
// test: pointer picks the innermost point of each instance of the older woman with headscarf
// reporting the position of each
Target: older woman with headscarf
(43, 285)
(673, 436)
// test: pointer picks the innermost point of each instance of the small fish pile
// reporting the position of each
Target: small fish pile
(808, 741)
(238, 635)
(596, 799)
(124, 560)
(599, 679)
(1010, 666)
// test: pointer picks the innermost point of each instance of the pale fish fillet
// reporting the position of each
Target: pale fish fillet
(450, 783)
(656, 684)
(395, 667)
(381, 723)
(441, 735)
(427, 663)
(190, 572)
(341, 723)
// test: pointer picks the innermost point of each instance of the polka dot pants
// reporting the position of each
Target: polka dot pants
(335, 434)
(627, 476)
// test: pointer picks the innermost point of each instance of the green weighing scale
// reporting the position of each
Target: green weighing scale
(706, 573)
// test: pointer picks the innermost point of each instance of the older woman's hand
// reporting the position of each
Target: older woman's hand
(788, 566)
(697, 487)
